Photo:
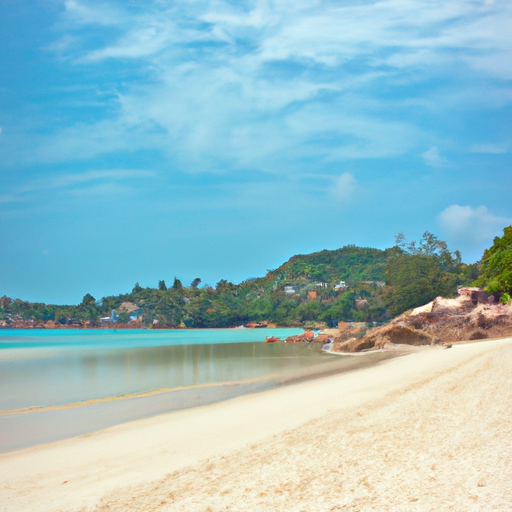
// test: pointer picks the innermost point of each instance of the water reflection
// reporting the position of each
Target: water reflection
(196, 374)
(72, 376)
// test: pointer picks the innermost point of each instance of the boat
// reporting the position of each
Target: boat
(271, 339)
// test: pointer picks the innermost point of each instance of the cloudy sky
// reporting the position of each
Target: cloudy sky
(142, 140)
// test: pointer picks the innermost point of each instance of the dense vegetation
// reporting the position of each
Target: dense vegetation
(351, 283)
(496, 266)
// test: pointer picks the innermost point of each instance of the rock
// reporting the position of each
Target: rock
(307, 337)
(361, 304)
(399, 335)
(352, 345)
(297, 338)
(478, 335)
(321, 338)
(421, 310)
(441, 305)
(440, 321)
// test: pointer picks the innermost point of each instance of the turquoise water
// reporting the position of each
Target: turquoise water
(46, 376)
(131, 338)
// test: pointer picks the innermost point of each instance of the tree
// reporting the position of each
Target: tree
(176, 285)
(195, 283)
(88, 300)
(342, 310)
(496, 265)
(124, 317)
(309, 311)
(224, 286)
(420, 272)
(137, 288)
(5, 301)
(161, 285)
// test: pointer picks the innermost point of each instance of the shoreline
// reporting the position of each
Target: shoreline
(402, 420)
(280, 380)
(138, 328)
(90, 415)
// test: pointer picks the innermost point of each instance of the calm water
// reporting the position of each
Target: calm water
(53, 371)
(131, 338)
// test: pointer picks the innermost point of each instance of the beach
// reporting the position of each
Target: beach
(431, 429)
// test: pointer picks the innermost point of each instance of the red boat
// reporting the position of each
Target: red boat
(271, 339)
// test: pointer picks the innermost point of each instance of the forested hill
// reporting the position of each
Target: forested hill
(350, 263)
(351, 283)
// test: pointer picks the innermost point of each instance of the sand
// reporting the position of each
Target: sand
(430, 430)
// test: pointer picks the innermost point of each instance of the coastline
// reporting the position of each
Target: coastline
(137, 327)
(432, 421)
(36, 425)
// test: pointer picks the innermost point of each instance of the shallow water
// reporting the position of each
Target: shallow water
(124, 376)
(131, 338)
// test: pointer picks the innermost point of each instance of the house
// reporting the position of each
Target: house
(112, 319)
(289, 290)
(312, 294)
(340, 286)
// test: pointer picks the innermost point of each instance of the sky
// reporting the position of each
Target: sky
(143, 140)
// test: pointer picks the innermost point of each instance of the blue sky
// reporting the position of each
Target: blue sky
(142, 140)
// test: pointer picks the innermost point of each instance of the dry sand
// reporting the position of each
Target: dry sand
(430, 430)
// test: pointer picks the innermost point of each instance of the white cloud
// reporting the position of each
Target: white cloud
(345, 186)
(90, 182)
(141, 43)
(471, 225)
(234, 84)
(89, 13)
(95, 176)
(433, 157)
(495, 149)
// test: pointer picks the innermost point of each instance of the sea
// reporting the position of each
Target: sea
(56, 384)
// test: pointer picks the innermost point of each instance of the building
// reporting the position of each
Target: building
(289, 290)
(340, 286)
(107, 320)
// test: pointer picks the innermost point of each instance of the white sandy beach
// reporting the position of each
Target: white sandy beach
(430, 430)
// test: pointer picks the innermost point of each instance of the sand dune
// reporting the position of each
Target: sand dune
(430, 430)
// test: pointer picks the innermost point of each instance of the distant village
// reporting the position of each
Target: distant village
(350, 284)
(130, 315)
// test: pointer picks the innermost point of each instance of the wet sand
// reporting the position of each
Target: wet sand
(429, 430)
(29, 426)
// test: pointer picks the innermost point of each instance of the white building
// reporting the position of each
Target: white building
(340, 286)
(289, 290)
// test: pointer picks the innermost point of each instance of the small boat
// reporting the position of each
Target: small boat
(271, 339)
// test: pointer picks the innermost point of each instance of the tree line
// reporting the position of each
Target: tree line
(350, 283)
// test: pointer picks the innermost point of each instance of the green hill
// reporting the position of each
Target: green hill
(350, 283)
